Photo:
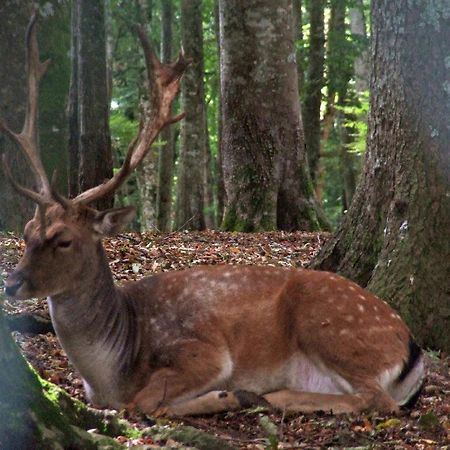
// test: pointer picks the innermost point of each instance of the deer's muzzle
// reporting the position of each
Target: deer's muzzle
(14, 283)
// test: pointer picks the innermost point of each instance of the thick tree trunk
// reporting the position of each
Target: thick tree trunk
(54, 41)
(314, 83)
(38, 415)
(396, 235)
(90, 141)
(167, 151)
(191, 171)
(16, 210)
(265, 173)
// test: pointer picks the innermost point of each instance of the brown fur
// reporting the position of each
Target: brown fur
(186, 342)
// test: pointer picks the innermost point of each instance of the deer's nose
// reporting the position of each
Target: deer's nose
(13, 284)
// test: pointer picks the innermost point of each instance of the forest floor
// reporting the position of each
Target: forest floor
(133, 255)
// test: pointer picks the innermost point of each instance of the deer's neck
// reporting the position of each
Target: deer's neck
(98, 331)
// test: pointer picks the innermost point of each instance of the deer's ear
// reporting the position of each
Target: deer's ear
(113, 221)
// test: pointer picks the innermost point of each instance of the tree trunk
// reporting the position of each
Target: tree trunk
(314, 84)
(54, 41)
(208, 189)
(358, 30)
(167, 150)
(147, 172)
(340, 71)
(90, 141)
(265, 173)
(191, 170)
(16, 210)
(38, 415)
(396, 235)
(220, 184)
(298, 35)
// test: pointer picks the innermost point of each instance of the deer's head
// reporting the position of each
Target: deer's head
(64, 234)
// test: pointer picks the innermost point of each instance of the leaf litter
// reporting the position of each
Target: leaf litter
(134, 255)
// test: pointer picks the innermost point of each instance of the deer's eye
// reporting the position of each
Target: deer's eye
(64, 244)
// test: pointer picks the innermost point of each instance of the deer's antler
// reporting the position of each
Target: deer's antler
(164, 84)
(27, 139)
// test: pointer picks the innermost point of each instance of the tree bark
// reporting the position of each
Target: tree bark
(340, 70)
(298, 34)
(54, 41)
(264, 164)
(167, 150)
(16, 209)
(219, 165)
(358, 30)
(90, 141)
(210, 222)
(314, 83)
(191, 171)
(396, 236)
(147, 172)
(39, 415)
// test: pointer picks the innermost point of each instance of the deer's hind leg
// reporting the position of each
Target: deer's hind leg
(295, 401)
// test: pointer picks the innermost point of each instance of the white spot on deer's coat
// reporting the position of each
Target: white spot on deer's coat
(361, 308)
(362, 297)
(344, 332)
(352, 288)
(349, 318)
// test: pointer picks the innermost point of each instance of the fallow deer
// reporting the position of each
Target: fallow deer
(207, 339)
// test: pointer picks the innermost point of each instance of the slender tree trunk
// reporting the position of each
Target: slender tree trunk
(147, 172)
(191, 172)
(314, 84)
(298, 34)
(340, 71)
(265, 171)
(358, 30)
(210, 222)
(219, 164)
(90, 141)
(167, 151)
(396, 235)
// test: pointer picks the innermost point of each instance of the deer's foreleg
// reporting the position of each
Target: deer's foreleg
(197, 369)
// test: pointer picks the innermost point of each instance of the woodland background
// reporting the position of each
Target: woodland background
(300, 115)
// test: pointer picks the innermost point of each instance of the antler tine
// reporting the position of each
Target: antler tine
(34, 196)
(164, 84)
(27, 139)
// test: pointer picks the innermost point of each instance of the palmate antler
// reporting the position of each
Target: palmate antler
(164, 84)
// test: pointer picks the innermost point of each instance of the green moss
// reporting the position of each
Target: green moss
(189, 436)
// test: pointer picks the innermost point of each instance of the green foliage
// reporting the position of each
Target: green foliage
(355, 115)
